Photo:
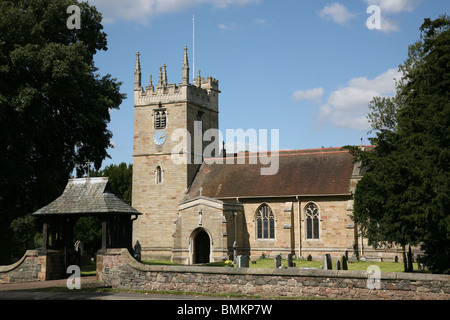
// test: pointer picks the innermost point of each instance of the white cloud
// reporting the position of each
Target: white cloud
(229, 26)
(336, 12)
(141, 11)
(347, 107)
(395, 6)
(315, 95)
(261, 22)
(388, 25)
(390, 7)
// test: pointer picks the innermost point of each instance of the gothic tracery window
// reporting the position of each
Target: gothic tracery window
(312, 221)
(265, 223)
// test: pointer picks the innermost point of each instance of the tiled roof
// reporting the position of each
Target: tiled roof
(324, 171)
(87, 196)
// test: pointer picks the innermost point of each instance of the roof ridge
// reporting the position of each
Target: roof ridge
(283, 153)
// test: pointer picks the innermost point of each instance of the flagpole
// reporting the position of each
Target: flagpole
(193, 47)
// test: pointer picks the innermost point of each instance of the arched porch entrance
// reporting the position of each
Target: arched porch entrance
(201, 249)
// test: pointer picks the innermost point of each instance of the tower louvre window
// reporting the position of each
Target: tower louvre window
(160, 118)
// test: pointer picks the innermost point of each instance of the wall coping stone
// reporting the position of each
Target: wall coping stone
(296, 272)
(10, 267)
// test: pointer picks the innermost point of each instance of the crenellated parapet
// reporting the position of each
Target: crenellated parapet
(203, 92)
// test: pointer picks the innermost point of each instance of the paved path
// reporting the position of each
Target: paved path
(83, 295)
(85, 282)
(30, 291)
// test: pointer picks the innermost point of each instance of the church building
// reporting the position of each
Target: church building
(201, 211)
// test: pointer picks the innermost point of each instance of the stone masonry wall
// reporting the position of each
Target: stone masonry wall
(24, 270)
(120, 270)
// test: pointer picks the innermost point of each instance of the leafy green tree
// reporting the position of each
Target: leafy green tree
(26, 231)
(120, 178)
(403, 198)
(54, 106)
(384, 110)
(88, 229)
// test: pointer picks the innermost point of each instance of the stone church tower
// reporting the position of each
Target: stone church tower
(165, 120)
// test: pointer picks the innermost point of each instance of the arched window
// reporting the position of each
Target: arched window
(312, 221)
(158, 175)
(265, 223)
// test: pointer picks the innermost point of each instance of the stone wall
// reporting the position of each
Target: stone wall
(24, 270)
(117, 268)
(35, 266)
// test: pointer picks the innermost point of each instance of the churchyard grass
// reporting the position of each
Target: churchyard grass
(158, 262)
(385, 266)
(89, 270)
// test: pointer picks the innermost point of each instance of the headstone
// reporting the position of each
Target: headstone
(410, 260)
(243, 261)
(396, 259)
(79, 247)
(290, 263)
(337, 265)
(344, 263)
(137, 251)
(277, 261)
(327, 262)
(309, 258)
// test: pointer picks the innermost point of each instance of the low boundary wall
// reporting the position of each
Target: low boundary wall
(26, 269)
(119, 269)
(35, 266)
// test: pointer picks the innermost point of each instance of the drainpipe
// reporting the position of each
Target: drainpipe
(299, 228)
(235, 237)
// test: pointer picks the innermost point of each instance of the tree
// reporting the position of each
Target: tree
(54, 106)
(403, 198)
(88, 229)
(385, 109)
(120, 178)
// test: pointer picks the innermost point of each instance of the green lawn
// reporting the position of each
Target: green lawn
(356, 266)
(269, 263)
(90, 270)
(158, 262)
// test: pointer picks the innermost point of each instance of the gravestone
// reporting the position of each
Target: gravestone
(243, 261)
(344, 263)
(327, 262)
(309, 258)
(137, 251)
(337, 265)
(79, 247)
(290, 263)
(277, 261)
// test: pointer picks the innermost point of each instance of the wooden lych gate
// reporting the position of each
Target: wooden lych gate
(82, 197)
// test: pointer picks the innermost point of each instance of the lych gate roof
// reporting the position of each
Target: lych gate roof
(87, 196)
(301, 172)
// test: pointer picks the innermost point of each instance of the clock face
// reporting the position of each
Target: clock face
(160, 137)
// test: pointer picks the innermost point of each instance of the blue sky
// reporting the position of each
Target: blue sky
(308, 68)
